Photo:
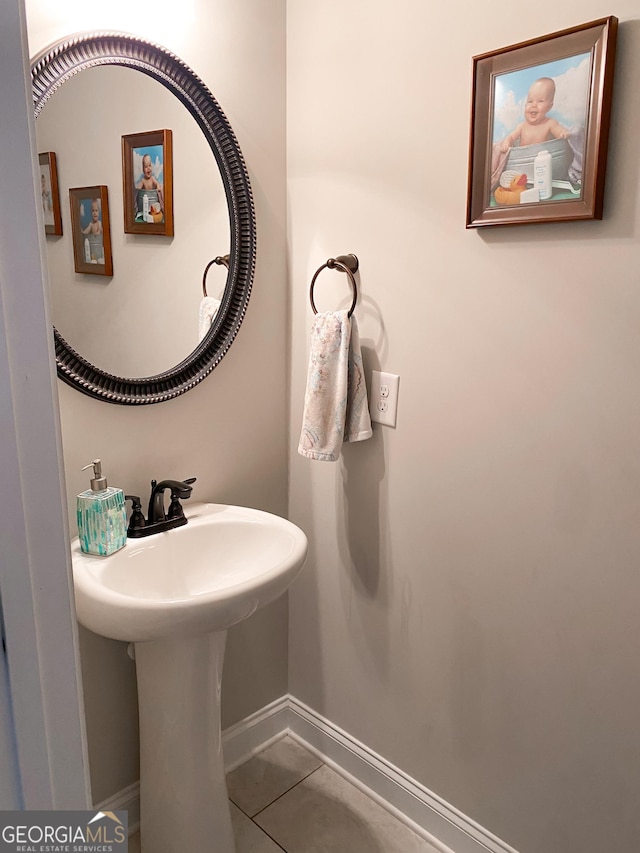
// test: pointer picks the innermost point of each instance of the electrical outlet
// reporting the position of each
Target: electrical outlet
(383, 398)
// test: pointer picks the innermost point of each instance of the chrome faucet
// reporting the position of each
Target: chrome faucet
(157, 520)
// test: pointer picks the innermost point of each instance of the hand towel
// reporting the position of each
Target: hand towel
(357, 418)
(207, 314)
(335, 405)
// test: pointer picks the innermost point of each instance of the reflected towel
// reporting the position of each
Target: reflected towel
(208, 310)
(335, 405)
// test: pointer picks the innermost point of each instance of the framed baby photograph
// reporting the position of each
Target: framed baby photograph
(90, 230)
(49, 193)
(540, 127)
(147, 177)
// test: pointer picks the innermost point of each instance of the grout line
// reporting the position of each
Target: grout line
(264, 808)
(238, 806)
(264, 832)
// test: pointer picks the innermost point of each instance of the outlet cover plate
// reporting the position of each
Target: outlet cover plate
(383, 399)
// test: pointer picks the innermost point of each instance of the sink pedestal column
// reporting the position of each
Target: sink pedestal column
(183, 791)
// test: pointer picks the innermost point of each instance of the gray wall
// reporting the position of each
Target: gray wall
(470, 606)
(230, 431)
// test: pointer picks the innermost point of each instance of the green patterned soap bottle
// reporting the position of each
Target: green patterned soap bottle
(102, 516)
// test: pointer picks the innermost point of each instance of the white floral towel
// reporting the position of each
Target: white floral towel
(207, 314)
(335, 404)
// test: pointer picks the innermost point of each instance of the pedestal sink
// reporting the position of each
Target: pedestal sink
(174, 595)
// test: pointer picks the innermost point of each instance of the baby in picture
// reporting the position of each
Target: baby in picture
(537, 126)
(94, 246)
(149, 182)
(95, 226)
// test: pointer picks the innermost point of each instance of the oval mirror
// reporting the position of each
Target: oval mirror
(154, 295)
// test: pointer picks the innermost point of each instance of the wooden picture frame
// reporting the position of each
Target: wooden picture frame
(50, 193)
(90, 229)
(564, 81)
(151, 151)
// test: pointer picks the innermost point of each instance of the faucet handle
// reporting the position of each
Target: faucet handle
(137, 518)
(175, 507)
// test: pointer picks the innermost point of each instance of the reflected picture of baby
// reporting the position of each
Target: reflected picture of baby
(91, 232)
(47, 201)
(147, 163)
(148, 170)
(48, 188)
(93, 243)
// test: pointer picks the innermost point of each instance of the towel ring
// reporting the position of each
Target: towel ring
(345, 263)
(221, 260)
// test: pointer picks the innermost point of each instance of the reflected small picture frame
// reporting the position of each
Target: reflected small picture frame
(91, 232)
(540, 126)
(147, 182)
(50, 193)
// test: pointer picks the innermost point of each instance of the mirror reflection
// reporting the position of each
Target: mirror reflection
(145, 318)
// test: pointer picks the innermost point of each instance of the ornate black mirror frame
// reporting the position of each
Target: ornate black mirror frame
(49, 71)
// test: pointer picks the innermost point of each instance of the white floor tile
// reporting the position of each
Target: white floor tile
(262, 779)
(327, 814)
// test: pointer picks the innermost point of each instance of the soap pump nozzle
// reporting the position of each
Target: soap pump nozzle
(98, 482)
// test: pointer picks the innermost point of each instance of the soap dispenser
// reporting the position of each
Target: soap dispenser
(102, 516)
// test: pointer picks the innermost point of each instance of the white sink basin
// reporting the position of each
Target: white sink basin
(174, 594)
(215, 571)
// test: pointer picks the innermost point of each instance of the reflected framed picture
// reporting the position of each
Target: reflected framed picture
(49, 193)
(540, 127)
(90, 229)
(147, 180)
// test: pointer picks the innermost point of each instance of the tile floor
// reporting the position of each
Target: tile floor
(286, 799)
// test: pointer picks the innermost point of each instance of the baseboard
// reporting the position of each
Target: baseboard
(128, 800)
(432, 817)
(241, 741)
(444, 826)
